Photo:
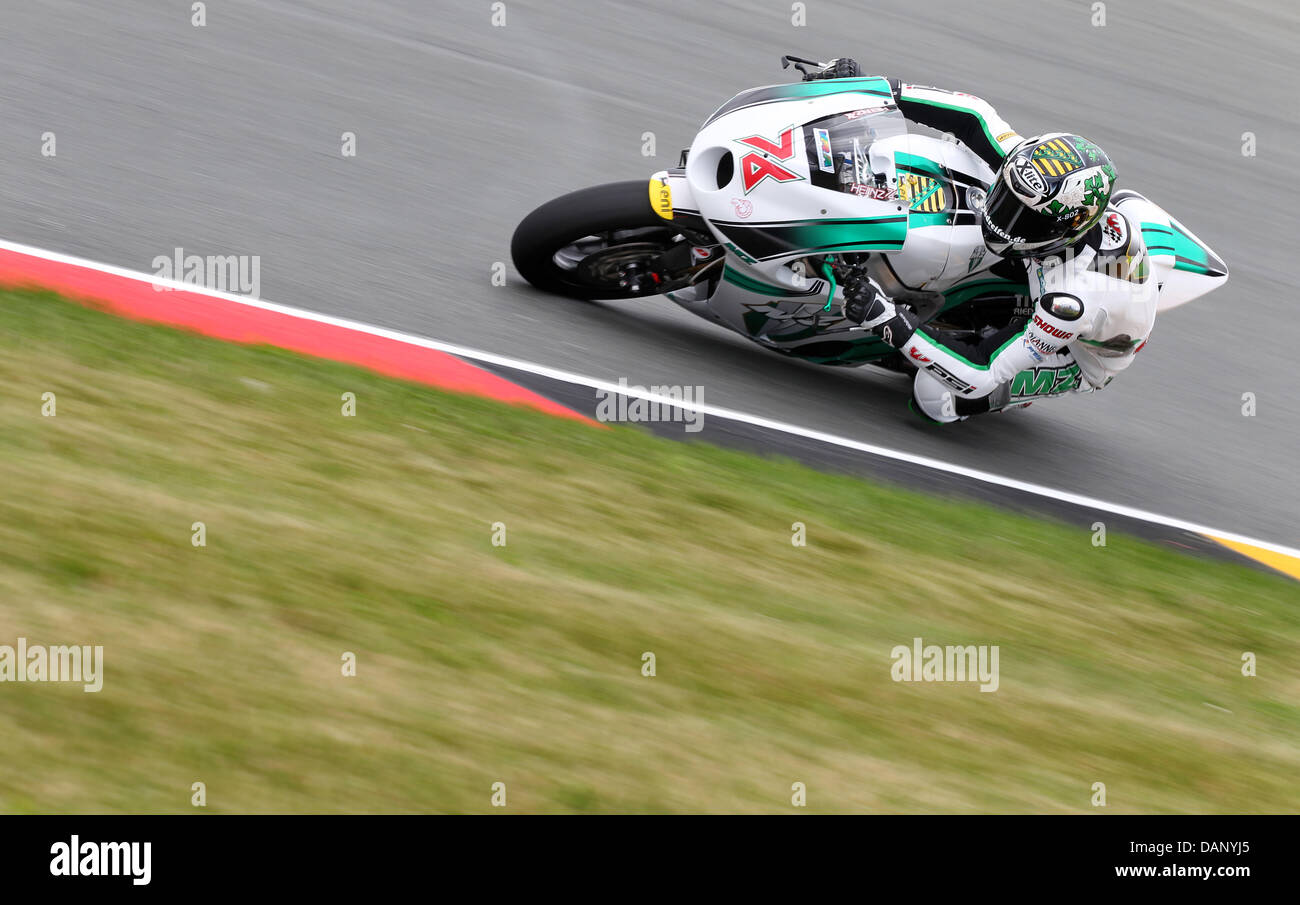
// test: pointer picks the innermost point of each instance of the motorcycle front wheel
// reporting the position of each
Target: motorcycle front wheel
(596, 243)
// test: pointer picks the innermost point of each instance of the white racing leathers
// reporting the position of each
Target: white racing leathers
(969, 119)
(1093, 310)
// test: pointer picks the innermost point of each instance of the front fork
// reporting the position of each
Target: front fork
(697, 258)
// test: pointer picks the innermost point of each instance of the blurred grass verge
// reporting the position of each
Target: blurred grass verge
(522, 664)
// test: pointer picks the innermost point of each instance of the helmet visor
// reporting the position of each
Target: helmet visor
(1013, 228)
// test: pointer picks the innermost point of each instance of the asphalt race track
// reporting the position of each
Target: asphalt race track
(225, 139)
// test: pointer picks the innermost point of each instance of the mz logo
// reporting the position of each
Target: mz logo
(765, 161)
(1045, 381)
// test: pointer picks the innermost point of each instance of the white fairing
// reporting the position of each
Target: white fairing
(1185, 268)
(932, 256)
(769, 201)
(757, 176)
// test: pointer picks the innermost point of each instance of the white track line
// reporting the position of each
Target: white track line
(703, 409)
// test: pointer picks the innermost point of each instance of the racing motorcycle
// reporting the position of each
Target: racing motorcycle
(784, 191)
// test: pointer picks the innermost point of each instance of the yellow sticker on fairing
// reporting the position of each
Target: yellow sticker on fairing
(661, 199)
(921, 193)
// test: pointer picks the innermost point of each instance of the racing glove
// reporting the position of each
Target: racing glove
(839, 68)
(865, 303)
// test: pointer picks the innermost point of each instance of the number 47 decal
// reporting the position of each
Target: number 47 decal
(765, 160)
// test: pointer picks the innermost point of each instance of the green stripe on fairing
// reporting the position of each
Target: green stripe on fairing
(918, 219)
(1189, 254)
(830, 232)
(854, 245)
(873, 85)
(829, 235)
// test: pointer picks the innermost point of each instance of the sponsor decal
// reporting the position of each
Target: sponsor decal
(1005, 135)
(1047, 381)
(1038, 344)
(754, 169)
(1114, 231)
(1000, 232)
(661, 199)
(743, 207)
(825, 159)
(878, 192)
(865, 112)
(765, 161)
(976, 256)
(781, 149)
(786, 319)
(1056, 157)
(1050, 330)
(921, 193)
(915, 354)
(950, 378)
(1023, 172)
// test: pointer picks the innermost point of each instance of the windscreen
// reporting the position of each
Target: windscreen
(839, 148)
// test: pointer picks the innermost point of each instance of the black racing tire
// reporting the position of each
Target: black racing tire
(603, 210)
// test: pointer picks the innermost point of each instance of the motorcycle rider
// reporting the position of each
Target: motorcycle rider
(1052, 209)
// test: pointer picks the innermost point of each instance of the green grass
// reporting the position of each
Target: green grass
(522, 664)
